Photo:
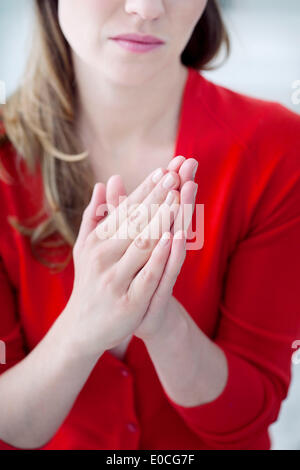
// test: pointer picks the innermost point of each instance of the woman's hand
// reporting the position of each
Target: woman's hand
(116, 275)
(186, 169)
(163, 304)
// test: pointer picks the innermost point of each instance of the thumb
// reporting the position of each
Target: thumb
(114, 191)
(89, 218)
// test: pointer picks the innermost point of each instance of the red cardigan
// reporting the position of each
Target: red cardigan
(241, 288)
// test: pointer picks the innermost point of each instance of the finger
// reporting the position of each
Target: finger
(188, 171)
(147, 280)
(172, 269)
(142, 215)
(115, 189)
(128, 204)
(89, 217)
(187, 206)
(176, 163)
(143, 245)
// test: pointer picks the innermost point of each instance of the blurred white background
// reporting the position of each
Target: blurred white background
(264, 62)
(265, 58)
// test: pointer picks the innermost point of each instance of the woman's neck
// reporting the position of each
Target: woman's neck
(113, 116)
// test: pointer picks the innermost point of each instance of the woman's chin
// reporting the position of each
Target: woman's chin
(130, 75)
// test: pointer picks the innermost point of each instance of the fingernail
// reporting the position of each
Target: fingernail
(195, 170)
(169, 181)
(173, 164)
(157, 175)
(165, 238)
(170, 198)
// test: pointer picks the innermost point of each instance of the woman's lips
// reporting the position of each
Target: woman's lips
(134, 46)
(139, 38)
(137, 43)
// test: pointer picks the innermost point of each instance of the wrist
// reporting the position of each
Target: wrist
(72, 345)
(174, 328)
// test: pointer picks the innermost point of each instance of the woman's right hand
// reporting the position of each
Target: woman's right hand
(116, 275)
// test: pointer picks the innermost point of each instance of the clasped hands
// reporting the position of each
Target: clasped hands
(136, 275)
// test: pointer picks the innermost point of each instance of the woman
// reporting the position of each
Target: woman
(104, 350)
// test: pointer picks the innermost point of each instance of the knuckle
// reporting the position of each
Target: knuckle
(134, 215)
(142, 243)
(103, 231)
(134, 228)
(97, 255)
(108, 279)
(148, 276)
(128, 209)
(137, 220)
(137, 227)
(159, 259)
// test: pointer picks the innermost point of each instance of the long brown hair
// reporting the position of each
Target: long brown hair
(39, 122)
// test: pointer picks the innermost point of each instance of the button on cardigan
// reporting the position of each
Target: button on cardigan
(241, 287)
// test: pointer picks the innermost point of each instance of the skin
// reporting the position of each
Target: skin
(124, 273)
(147, 90)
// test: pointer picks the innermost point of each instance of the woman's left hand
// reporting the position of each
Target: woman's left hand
(163, 304)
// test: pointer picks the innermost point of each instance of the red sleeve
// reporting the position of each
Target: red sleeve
(12, 346)
(10, 328)
(259, 314)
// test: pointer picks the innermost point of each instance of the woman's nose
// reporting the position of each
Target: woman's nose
(146, 9)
